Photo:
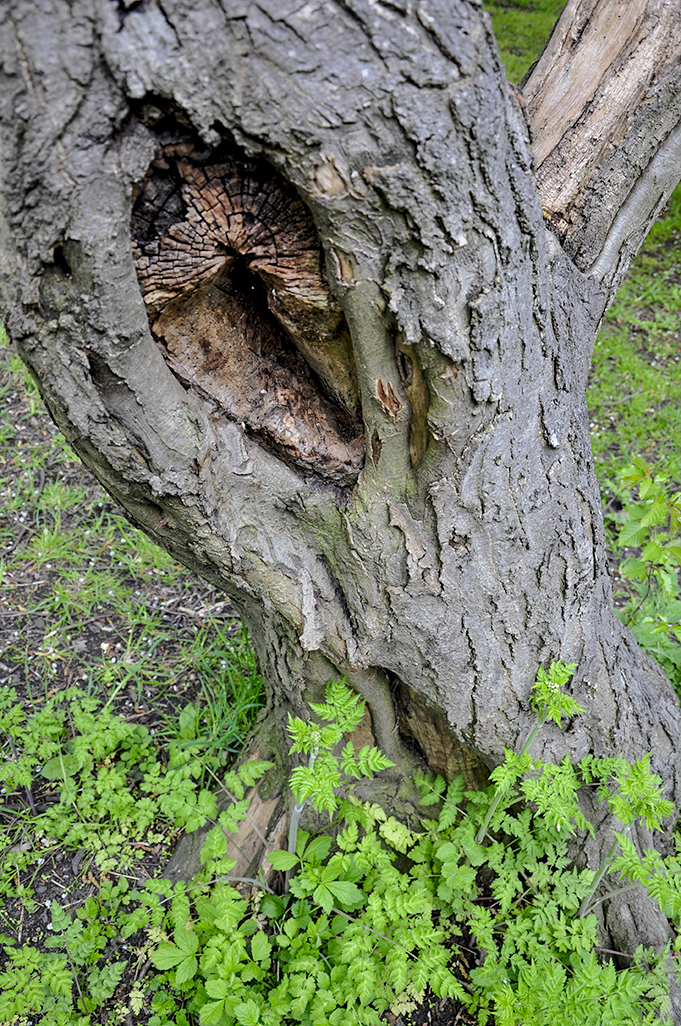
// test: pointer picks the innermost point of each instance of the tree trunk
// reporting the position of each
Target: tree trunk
(283, 276)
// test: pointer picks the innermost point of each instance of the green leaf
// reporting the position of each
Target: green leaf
(60, 767)
(318, 848)
(372, 760)
(634, 569)
(273, 906)
(323, 896)
(247, 1013)
(260, 947)
(253, 770)
(186, 940)
(348, 763)
(186, 970)
(346, 893)
(657, 513)
(216, 988)
(167, 956)
(632, 533)
(210, 1014)
(282, 860)
(188, 722)
(652, 552)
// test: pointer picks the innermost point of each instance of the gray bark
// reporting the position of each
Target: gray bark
(470, 548)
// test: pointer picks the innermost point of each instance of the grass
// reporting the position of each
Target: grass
(522, 27)
(126, 688)
(92, 598)
(635, 391)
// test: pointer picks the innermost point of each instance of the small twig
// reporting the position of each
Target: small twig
(647, 593)
(610, 951)
(251, 880)
(618, 402)
(75, 977)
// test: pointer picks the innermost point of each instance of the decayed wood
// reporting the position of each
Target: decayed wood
(609, 73)
(230, 267)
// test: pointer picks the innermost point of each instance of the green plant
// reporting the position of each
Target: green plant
(634, 393)
(371, 922)
(650, 523)
(521, 28)
(319, 780)
(112, 789)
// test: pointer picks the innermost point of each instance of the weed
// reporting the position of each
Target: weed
(648, 532)
(370, 925)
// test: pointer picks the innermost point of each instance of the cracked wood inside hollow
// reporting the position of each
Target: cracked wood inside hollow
(230, 267)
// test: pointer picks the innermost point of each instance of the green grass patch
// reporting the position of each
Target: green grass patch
(521, 28)
(635, 390)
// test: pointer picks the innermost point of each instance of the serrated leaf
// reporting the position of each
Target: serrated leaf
(187, 969)
(348, 762)
(652, 551)
(167, 956)
(211, 1014)
(253, 770)
(634, 569)
(632, 533)
(347, 893)
(323, 896)
(216, 988)
(372, 760)
(657, 512)
(273, 906)
(282, 860)
(186, 940)
(260, 947)
(646, 487)
(247, 1013)
(318, 848)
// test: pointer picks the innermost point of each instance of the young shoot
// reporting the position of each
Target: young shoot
(550, 702)
(325, 772)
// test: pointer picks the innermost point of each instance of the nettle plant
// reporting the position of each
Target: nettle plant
(371, 920)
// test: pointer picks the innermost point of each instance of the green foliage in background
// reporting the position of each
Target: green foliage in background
(118, 788)
(521, 28)
(634, 394)
(648, 534)
(370, 922)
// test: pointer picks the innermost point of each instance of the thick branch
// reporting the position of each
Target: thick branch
(604, 103)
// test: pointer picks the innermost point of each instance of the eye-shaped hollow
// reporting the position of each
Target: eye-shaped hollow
(232, 275)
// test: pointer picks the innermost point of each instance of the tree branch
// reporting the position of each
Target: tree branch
(604, 103)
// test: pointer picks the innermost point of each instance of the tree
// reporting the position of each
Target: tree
(353, 395)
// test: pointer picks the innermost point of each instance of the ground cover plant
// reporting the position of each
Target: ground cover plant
(122, 659)
(635, 403)
(370, 926)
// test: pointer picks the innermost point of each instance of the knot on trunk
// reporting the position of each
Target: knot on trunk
(232, 274)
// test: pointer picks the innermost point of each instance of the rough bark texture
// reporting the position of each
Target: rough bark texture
(468, 547)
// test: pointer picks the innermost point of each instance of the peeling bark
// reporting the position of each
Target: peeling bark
(428, 521)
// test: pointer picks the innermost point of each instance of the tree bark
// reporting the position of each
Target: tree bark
(427, 520)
